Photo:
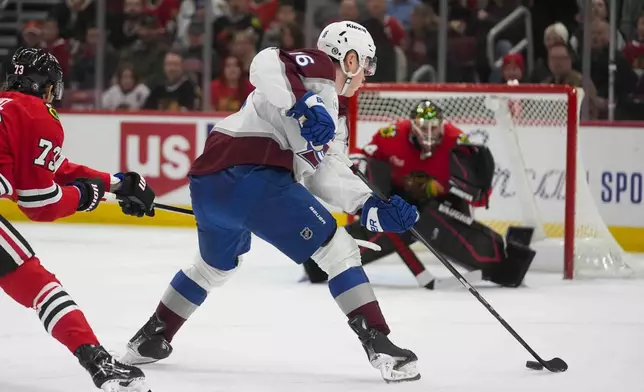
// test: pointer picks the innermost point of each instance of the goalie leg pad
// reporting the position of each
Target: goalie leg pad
(459, 237)
(348, 283)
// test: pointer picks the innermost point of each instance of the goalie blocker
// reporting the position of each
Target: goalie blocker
(448, 224)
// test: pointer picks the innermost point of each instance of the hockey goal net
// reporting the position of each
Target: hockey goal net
(532, 130)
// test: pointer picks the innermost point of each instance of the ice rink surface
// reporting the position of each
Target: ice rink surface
(264, 331)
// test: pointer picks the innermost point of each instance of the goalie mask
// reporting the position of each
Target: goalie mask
(426, 126)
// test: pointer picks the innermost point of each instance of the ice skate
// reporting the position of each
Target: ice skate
(148, 345)
(107, 373)
(395, 364)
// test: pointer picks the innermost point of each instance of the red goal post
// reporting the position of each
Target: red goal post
(490, 109)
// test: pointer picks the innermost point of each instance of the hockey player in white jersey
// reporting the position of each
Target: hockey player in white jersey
(259, 172)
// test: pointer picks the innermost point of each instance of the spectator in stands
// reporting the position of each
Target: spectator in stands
(291, 37)
(83, 72)
(324, 12)
(74, 17)
(55, 44)
(166, 12)
(230, 90)
(243, 47)
(128, 93)
(31, 37)
(239, 17)
(421, 47)
(625, 78)
(600, 11)
(401, 10)
(193, 54)
(513, 68)
(377, 9)
(285, 15)
(560, 59)
(123, 25)
(634, 49)
(147, 52)
(177, 93)
(629, 20)
(349, 10)
(266, 10)
(555, 34)
(482, 23)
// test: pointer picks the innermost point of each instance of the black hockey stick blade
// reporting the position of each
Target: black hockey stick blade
(555, 365)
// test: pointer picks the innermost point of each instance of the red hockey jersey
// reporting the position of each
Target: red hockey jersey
(33, 171)
(392, 144)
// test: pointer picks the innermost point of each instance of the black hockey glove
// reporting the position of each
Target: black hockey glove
(136, 196)
(91, 193)
(471, 172)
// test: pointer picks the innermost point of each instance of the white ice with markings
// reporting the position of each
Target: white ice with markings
(264, 331)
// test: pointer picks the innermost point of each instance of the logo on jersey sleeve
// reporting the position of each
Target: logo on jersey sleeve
(52, 112)
(313, 155)
(463, 139)
(388, 132)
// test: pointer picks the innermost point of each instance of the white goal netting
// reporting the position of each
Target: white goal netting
(527, 133)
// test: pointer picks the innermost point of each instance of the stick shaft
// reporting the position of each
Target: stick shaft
(456, 274)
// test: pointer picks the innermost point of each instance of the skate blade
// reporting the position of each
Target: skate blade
(392, 374)
(132, 358)
(135, 385)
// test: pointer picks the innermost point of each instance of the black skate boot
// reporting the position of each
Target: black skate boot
(148, 345)
(107, 373)
(395, 364)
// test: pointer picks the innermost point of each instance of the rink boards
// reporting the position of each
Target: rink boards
(162, 146)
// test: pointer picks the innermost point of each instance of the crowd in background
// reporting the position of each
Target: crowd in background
(153, 56)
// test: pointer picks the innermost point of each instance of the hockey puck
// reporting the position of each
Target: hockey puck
(534, 365)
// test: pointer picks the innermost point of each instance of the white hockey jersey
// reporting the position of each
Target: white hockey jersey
(261, 133)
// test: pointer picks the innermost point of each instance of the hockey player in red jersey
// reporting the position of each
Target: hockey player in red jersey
(47, 186)
(433, 166)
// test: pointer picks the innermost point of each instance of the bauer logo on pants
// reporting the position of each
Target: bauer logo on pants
(160, 152)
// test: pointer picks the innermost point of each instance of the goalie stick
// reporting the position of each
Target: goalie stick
(554, 365)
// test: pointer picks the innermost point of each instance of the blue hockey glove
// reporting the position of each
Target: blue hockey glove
(318, 126)
(396, 216)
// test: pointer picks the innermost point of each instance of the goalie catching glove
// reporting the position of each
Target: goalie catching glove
(394, 216)
(318, 127)
(471, 173)
(135, 196)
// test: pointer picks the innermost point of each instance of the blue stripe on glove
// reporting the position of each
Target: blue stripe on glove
(396, 216)
(318, 126)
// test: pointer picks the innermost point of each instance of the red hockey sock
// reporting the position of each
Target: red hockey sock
(173, 321)
(32, 286)
(373, 314)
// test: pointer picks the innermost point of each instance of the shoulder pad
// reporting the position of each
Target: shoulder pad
(389, 131)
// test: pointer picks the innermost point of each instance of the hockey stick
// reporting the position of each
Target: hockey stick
(110, 197)
(554, 365)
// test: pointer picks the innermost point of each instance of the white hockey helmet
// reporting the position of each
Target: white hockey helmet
(339, 38)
